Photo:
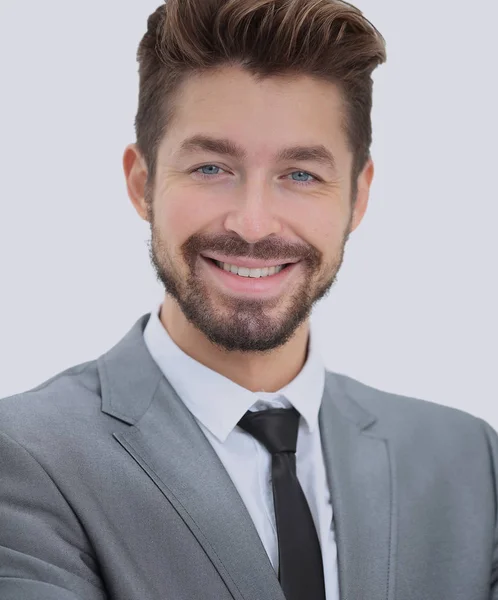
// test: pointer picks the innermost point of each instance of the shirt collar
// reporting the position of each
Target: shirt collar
(216, 401)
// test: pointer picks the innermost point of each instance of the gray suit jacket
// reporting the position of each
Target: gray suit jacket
(109, 489)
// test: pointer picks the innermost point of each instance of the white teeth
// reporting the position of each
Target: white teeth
(245, 272)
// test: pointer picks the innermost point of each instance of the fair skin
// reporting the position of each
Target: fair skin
(256, 197)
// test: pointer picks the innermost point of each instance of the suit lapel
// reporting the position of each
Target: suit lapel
(167, 443)
(360, 474)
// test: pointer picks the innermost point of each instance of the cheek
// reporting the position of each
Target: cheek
(179, 215)
(321, 224)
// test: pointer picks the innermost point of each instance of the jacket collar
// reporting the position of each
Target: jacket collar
(129, 377)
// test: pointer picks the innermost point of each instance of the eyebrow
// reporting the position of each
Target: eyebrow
(227, 147)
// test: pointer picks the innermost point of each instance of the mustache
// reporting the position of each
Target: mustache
(266, 249)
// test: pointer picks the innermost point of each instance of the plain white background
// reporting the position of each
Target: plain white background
(414, 310)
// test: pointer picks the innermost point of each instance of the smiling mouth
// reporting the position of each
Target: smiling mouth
(258, 273)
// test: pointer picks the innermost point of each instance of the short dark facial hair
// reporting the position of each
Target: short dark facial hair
(247, 328)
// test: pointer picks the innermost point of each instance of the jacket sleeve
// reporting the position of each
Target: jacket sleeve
(493, 445)
(44, 553)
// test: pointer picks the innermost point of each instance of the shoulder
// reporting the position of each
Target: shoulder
(412, 418)
(424, 437)
(70, 400)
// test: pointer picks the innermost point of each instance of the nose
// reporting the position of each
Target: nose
(253, 217)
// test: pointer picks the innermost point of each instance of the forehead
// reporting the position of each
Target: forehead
(264, 116)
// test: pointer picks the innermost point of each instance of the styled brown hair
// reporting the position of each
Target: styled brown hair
(330, 40)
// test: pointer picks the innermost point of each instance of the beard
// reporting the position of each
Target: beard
(243, 324)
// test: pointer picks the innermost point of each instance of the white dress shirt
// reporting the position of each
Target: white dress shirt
(218, 404)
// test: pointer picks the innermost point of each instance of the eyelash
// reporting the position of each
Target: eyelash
(301, 183)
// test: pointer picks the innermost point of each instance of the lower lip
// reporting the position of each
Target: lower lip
(255, 286)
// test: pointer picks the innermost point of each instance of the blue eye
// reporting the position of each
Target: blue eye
(208, 171)
(305, 174)
(209, 167)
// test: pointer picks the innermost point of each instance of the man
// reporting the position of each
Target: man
(209, 454)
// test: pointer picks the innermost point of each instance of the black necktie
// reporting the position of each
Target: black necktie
(300, 557)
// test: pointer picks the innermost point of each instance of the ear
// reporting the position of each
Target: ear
(365, 179)
(136, 172)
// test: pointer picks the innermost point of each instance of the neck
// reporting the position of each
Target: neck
(269, 371)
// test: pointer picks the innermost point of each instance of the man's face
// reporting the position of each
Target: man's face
(247, 242)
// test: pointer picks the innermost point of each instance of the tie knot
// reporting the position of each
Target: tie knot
(275, 428)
